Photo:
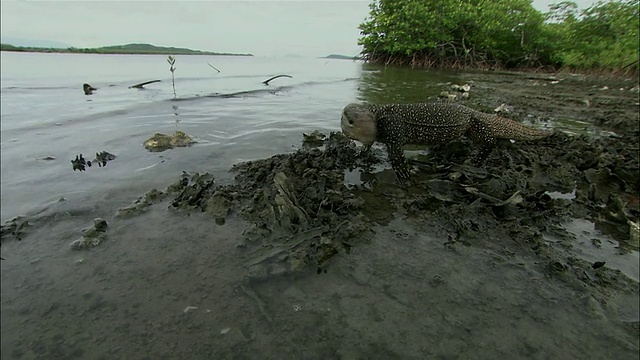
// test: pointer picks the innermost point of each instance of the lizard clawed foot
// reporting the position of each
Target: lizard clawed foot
(403, 177)
(364, 150)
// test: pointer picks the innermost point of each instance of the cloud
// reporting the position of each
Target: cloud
(311, 28)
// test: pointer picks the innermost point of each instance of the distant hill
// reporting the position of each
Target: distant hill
(338, 56)
(18, 41)
(134, 49)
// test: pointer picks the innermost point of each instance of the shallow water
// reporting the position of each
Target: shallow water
(45, 113)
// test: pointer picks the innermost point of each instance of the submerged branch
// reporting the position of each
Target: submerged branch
(214, 68)
(140, 86)
(266, 82)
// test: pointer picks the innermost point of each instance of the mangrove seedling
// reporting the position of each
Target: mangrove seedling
(171, 60)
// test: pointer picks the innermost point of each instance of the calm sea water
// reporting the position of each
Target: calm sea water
(45, 113)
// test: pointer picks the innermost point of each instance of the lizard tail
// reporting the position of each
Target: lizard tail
(504, 128)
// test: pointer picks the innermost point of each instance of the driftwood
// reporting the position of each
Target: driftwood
(214, 68)
(140, 86)
(266, 82)
(88, 89)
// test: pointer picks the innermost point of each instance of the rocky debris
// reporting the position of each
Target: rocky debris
(297, 203)
(14, 228)
(91, 236)
(461, 88)
(194, 191)
(459, 92)
(80, 163)
(161, 142)
(141, 204)
(302, 214)
(189, 309)
(503, 108)
(313, 139)
(447, 95)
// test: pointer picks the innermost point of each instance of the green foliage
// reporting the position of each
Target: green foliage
(602, 36)
(500, 33)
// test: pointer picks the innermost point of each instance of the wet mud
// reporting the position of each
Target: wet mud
(303, 212)
(328, 230)
(320, 203)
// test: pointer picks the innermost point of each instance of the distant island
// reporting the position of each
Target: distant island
(342, 57)
(130, 49)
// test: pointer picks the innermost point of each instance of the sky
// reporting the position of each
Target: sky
(264, 28)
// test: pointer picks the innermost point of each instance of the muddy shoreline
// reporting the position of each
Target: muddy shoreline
(482, 240)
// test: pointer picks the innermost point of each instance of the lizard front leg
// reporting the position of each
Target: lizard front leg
(399, 163)
(480, 133)
(391, 133)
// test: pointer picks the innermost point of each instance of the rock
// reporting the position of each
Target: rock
(100, 224)
(461, 88)
(161, 142)
(88, 89)
(86, 242)
(316, 138)
(92, 236)
(503, 108)
(448, 95)
(14, 228)
(188, 309)
(141, 204)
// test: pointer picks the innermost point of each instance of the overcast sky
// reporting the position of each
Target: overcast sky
(263, 28)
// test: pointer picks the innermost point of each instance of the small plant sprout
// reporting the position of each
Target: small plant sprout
(171, 60)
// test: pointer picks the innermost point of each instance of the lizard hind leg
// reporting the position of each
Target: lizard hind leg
(481, 135)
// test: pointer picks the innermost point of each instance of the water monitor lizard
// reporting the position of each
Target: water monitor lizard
(396, 125)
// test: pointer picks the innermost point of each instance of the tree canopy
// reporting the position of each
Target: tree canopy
(500, 33)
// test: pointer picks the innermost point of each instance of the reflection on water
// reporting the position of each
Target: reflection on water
(591, 245)
(384, 85)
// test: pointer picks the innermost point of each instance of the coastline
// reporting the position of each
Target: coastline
(62, 51)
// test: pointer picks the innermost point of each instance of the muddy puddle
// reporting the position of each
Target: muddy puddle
(320, 254)
(593, 246)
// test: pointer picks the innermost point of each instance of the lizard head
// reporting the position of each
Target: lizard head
(359, 123)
